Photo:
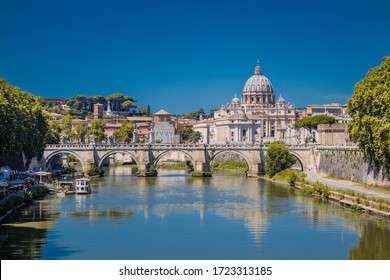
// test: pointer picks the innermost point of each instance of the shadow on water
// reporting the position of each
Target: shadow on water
(26, 233)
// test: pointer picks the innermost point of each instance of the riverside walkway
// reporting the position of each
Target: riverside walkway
(368, 191)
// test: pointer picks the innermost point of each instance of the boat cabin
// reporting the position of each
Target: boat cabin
(83, 186)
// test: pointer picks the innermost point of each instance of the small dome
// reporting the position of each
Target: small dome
(235, 100)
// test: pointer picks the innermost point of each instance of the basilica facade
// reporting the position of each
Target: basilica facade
(257, 118)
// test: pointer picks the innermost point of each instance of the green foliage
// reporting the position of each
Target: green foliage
(151, 168)
(370, 109)
(78, 131)
(148, 111)
(22, 123)
(306, 191)
(91, 170)
(188, 135)
(195, 114)
(142, 111)
(311, 123)
(290, 176)
(81, 105)
(72, 158)
(53, 133)
(230, 165)
(127, 105)
(66, 125)
(120, 101)
(125, 133)
(321, 189)
(278, 158)
(97, 129)
(356, 207)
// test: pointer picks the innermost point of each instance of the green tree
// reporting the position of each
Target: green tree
(127, 105)
(78, 132)
(195, 114)
(278, 158)
(66, 125)
(311, 123)
(53, 133)
(78, 102)
(370, 109)
(118, 100)
(148, 111)
(188, 135)
(142, 111)
(97, 127)
(22, 123)
(125, 133)
(96, 99)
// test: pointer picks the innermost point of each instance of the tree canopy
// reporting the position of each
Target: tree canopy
(23, 124)
(311, 123)
(97, 129)
(370, 109)
(188, 135)
(120, 101)
(195, 114)
(125, 133)
(278, 158)
(81, 105)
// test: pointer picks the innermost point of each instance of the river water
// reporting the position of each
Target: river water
(175, 216)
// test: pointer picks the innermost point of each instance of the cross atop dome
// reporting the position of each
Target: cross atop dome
(258, 68)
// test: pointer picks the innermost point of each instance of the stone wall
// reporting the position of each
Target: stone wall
(348, 163)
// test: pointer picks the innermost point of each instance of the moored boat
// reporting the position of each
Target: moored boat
(65, 188)
(83, 186)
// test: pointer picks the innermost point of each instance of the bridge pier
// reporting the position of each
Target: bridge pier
(255, 170)
(146, 170)
(201, 169)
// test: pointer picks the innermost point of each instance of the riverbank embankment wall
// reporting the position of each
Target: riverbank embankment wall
(348, 163)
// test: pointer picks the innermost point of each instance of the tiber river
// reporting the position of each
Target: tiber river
(175, 216)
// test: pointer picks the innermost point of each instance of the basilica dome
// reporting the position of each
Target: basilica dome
(258, 83)
(258, 89)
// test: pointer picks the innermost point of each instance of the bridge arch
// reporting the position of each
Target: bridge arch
(49, 157)
(247, 160)
(299, 159)
(165, 152)
(106, 155)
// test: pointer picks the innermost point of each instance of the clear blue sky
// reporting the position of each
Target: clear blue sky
(185, 55)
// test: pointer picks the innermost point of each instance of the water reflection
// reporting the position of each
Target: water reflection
(25, 236)
(213, 218)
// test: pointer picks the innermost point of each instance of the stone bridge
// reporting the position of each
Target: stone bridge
(146, 155)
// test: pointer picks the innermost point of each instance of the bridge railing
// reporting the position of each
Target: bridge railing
(184, 146)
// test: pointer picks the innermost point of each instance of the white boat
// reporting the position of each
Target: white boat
(83, 186)
(65, 188)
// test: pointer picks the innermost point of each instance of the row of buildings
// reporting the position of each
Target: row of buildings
(255, 118)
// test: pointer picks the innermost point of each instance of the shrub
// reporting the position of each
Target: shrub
(290, 176)
(321, 189)
(306, 191)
